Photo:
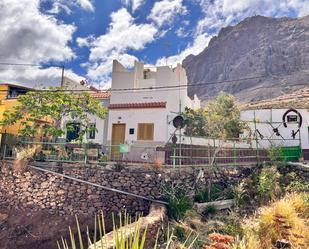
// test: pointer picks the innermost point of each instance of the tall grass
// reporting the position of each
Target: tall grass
(283, 220)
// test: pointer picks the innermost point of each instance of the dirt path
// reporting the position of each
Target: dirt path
(24, 230)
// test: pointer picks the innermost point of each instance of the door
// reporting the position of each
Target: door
(118, 136)
(73, 130)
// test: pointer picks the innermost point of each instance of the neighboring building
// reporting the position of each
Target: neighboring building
(282, 121)
(142, 116)
(8, 100)
(100, 135)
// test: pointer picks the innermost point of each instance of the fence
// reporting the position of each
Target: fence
(214, 152)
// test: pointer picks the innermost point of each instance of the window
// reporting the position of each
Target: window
(292, 118)
(145, 131)
(73, 130)
(92, 130)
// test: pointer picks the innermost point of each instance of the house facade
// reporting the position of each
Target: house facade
(8, 100)
(282, 121)
(99, 134)
(143, 103)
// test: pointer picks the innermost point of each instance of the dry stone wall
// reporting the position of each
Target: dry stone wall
(36, 190)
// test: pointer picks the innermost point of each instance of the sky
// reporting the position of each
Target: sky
(86, 35)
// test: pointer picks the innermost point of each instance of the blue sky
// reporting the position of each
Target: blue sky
(86, 35)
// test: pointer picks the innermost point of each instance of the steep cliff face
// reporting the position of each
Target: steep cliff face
(274, 50)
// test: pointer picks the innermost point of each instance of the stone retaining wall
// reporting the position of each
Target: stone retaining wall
(66, 197)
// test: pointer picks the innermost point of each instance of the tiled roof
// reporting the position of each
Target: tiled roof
(15, 85)
(298, 99)
(101, 95)
(138, 105)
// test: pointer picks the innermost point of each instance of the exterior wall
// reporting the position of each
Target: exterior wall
(8, 104)
(101, 126)
(176, 99)
(131, 117)
(274, 116)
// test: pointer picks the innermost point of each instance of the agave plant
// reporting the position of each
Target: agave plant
(128, 236)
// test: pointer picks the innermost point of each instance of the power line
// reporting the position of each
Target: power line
(161, 88)
(28, 64)
(147, 89)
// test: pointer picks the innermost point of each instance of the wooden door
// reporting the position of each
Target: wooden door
(118, 137)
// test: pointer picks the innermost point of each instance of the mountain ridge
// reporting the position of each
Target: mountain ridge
(277, 49)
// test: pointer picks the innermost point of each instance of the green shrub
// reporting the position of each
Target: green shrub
(239, 194)
(232, 228)
(296, 184)
(178, 206)
(268, 184)
(210, 210)
(180, 233)
(214, 193)
(275, 154)
(178, 200)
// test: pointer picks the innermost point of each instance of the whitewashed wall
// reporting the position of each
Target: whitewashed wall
(131, 117)
(274, 116)
(176, 99)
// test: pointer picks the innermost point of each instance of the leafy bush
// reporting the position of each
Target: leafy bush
(239, 193)
(296, 184)
(214, 193)
(275, 154)
(210, 210)
(178, 200)
(268, 184)
(232, 228)
(177, 207)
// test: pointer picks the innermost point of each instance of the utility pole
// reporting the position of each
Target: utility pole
(62, 76)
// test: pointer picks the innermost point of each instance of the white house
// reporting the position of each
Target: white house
(282, 121)
(143, 103)
(99, 136)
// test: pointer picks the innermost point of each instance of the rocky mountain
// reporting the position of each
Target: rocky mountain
(266, 57)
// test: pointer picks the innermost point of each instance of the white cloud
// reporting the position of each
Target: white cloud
(200, 42)
(28, 36)
(84, 41)
(221, 13)
(181, 32)
(166, 10)
(36, 77)
(135, 4)
(123, 34)
(86, 4)
(66, 5)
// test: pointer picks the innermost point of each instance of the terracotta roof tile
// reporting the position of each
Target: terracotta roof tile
(101, 95)
(138, 105)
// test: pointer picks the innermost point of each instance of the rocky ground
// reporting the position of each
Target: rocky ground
(23, 229)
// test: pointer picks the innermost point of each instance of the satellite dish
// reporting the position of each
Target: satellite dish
(178, 122)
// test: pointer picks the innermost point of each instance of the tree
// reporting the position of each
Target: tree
(40, 112)
(195, 122)
(223, 117)
(219, 119)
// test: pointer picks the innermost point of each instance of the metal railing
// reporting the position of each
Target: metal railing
(214, 152)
